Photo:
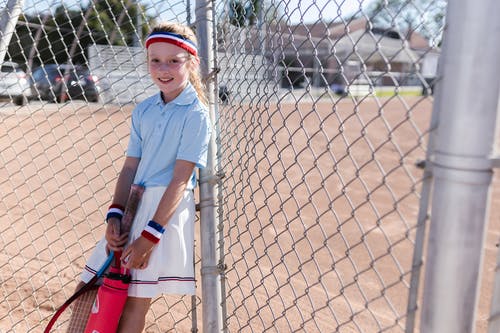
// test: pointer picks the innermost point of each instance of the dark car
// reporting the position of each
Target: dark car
(58, 83)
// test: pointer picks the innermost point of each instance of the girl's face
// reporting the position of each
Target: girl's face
(169, 67)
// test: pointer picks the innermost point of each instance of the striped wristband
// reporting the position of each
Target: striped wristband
(153, 231)
(115, 211)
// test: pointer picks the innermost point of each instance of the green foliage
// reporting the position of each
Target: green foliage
(405, 16)
(66, 33)
(244, 13)
(111, 16)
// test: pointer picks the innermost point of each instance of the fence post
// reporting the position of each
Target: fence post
(466, 101)
(8, 20)
(210, 274)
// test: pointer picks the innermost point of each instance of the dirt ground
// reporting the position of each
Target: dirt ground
(319, 207)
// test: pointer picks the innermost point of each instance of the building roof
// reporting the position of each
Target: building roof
(338, 30)
(373, 47)
(350, 40)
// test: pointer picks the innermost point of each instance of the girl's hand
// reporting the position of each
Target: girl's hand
(116, 242)
(137, 254)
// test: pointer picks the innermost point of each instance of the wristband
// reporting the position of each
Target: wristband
(153, 231)
(115, 211)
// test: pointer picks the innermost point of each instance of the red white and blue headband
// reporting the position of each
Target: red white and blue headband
(172, 38)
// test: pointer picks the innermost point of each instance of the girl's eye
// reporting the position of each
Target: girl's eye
(173, 62)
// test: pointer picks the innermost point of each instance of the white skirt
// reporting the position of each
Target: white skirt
(171, 267)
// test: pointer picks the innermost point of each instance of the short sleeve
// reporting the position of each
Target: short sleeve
(195, 138)
(134, 145)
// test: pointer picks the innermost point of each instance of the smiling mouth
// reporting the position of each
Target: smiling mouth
(165, 80)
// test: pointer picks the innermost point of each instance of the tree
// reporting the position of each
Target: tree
(406, 16)
(243, 13)
(119, 20)
(66, 33)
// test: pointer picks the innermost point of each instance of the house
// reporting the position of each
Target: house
(347, 53)
(329, 53)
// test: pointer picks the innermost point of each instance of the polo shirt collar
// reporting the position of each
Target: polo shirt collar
(186, 97)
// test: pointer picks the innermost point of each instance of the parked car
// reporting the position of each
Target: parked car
(58, 83)
(14, 83)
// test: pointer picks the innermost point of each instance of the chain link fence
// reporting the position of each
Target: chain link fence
(320, 142)
(323, 116)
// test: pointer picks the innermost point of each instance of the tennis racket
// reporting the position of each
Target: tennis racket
(112, 295)
(133, 200)
(86, 288)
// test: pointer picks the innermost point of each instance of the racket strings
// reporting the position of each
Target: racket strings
(81, 311)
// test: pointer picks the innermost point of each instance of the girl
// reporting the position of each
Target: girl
(168, 140)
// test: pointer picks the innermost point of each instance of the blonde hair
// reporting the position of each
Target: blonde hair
(194, 75)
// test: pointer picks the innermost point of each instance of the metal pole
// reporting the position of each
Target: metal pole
(422, 222)
(417, 262)
(8, 20)
(494, 319)
(467, 98)
(138, 24)
(210, 274)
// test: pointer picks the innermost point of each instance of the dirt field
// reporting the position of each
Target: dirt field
(319, 208)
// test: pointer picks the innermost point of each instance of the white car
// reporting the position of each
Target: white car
(14, 83)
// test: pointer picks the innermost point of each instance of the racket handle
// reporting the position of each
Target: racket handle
(117, 262)
(134, 198)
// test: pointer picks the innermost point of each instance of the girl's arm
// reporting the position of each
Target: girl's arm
(174, 192)
(125, 180)
(115, 240)
(137, 254)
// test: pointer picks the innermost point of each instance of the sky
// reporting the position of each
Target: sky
(310, 11)
(306, 11)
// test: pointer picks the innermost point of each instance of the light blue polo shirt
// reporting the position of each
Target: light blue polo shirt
(163, 133)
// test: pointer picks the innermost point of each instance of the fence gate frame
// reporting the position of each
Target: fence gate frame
(210, 261)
